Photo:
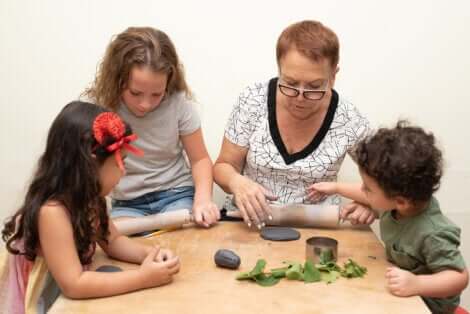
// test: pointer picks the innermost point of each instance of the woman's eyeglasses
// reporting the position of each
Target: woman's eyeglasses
(310, 94)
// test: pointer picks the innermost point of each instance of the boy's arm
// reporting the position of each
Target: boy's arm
(352, 191)
(442, 284)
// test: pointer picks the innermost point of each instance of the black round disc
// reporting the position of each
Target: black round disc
(279, 234)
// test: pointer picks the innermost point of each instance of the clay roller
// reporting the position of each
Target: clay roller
(170, 220)
(300, 215)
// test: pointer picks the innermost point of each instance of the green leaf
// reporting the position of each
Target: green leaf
(330, 266)
(244, 276)
(311, 273)
(326, 255)
(279, 272)
(329, 276)
(258, 269)
(353, 270)
(260, 264)
(295, 272)
(266, 280)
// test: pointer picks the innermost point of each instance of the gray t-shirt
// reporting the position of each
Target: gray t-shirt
(163, 165)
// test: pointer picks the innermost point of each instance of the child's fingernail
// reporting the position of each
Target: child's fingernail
(259, 226)
(270, 217)
(249, 224)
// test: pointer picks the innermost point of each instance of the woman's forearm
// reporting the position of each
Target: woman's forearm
(223, 174)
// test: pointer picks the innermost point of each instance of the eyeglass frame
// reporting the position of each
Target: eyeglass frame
(303, 91)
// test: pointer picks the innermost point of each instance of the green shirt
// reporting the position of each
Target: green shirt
(424, 244)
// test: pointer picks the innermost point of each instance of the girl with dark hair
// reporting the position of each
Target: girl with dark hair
(51, 239)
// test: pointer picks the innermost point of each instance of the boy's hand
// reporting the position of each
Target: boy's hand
(318, 191)
(158, 273)
(357, 213)
(205, 213)
(401, 283)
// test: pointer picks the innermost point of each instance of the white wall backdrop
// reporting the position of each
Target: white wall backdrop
(408, 59)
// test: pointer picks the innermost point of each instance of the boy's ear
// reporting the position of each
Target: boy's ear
(402, 202)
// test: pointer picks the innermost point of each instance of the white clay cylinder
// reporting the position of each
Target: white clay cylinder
(173, 219)
(302, 215)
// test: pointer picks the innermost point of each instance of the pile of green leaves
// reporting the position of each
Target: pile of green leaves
(352, 269)
(327, 271)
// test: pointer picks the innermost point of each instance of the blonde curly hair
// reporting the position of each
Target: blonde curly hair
(136, 46)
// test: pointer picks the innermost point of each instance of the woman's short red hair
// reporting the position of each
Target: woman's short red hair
(310, 38)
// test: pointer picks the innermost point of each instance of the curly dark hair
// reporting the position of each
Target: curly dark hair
(67, 173)
(403, 160)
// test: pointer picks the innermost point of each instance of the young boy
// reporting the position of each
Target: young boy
(401, 169)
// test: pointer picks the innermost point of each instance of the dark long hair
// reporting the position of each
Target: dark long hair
(67, 173)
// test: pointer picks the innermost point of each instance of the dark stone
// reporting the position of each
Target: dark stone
(227, 259)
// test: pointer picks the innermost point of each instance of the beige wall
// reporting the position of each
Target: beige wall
(399, 59)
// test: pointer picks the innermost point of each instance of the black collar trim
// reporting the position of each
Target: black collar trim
(276, 136)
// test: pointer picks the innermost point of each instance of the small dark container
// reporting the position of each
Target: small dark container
(227, 259)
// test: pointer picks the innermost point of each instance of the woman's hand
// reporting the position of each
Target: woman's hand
(251, 199)
(157, 273)
(357, 213)
(319, 191)
(205, 213)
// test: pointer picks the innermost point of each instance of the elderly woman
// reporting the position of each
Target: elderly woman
(286, 134)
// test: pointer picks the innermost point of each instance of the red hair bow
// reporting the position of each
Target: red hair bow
(111, 125)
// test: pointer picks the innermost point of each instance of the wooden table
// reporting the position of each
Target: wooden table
(201, 287)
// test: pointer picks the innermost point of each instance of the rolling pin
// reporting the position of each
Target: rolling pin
(300, 215)
(173, 219)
